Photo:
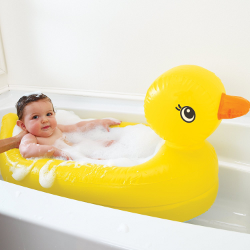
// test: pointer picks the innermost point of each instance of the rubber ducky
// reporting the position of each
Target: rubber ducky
(183, 106)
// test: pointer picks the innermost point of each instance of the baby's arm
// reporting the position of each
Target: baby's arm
(29, 148)
(88, 125)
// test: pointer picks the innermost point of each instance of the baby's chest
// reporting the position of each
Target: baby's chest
(49, 140)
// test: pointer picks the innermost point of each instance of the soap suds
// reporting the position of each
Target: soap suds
(128, 146)
(21, 171)
(124, 147)
(46, 176)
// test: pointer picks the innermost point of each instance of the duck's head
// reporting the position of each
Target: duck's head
(186, 104)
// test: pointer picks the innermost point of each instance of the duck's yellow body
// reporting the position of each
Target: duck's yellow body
(175, 184)
(179, 183)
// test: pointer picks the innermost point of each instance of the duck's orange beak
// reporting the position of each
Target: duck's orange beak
(232, 106)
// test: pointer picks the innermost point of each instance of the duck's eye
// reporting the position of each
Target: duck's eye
(187, 114)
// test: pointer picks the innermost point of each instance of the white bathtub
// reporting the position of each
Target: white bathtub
(33, 220)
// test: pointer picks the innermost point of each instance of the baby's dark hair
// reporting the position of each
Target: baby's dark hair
(27, 99)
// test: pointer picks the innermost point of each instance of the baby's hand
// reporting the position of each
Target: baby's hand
(60, 153)
(108, 122)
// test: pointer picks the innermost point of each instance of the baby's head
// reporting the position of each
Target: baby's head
(36, 115)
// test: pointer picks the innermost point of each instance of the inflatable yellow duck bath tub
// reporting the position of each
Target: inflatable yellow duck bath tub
(183, 106)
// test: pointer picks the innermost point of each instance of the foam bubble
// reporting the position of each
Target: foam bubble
(20, 171)
(128, 146)
(46, 176)
(67, 117)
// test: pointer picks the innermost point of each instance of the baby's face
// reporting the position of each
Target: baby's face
(39, 118)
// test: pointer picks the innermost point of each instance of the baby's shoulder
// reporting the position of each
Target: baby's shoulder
(60, 127)
(58, 131)
(29, 135)
(29, 138)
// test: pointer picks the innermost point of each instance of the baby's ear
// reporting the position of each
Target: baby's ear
(20, 124)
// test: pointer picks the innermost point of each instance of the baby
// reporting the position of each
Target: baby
(37, 117)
